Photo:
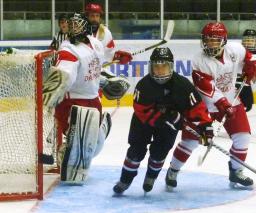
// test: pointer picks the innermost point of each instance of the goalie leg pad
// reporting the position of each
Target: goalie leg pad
(81, 144)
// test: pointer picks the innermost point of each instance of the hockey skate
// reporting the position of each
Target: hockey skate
(238, 179)
(120, 187)
(148, 184)
(171, 179)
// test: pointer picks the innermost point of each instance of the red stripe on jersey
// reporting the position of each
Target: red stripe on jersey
(203, 83)
(143, 112)
(199, 113)
(66, 56)
(111, 44)
(154, 118)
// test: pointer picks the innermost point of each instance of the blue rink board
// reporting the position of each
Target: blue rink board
(195, 190)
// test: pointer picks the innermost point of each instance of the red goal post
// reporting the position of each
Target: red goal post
(24, 124)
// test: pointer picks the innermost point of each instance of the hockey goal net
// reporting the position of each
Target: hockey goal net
(25, 127)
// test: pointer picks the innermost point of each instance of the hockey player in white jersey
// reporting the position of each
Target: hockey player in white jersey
(72, 86)
(215, 70)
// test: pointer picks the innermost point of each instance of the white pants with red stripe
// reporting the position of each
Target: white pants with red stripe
(185, 148)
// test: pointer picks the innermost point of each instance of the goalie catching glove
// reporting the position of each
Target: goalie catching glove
(54, 87)
(115, 87)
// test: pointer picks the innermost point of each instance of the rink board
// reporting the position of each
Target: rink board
(183, 51)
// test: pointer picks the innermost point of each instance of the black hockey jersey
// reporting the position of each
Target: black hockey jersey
(58, 39)
(246, 94)
(178, 94)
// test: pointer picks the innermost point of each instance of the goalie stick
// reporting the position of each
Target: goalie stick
(202, 158)
(168, 34)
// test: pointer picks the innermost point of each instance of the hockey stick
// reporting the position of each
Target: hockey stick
(223, 151)
(168, 34)
(202, 158)
(117, 107)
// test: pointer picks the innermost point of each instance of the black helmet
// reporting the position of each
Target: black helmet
(249, 39)
(161, 56)
(63, 16)
(79, 28)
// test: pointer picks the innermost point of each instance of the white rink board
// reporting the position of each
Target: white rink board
(183, 51)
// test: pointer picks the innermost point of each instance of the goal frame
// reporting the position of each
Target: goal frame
(39, 133)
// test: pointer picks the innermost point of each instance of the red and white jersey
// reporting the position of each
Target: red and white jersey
(215, 78)
(105, 37)
(83, 63)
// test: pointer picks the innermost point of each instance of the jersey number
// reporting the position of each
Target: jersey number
(192, 99)
(136, 95)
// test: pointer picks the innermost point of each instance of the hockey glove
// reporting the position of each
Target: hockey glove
(225, 108)
(122, 56)
(206, 133)
(249, 71)
(172, 119)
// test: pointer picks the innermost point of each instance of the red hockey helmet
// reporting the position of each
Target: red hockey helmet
(93, 8)
(214, 37)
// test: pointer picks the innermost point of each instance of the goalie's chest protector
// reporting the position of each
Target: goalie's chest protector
(88, 76)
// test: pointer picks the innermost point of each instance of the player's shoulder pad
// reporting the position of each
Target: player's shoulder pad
(67, 46)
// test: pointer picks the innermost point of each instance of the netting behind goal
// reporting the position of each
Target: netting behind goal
(24, 126)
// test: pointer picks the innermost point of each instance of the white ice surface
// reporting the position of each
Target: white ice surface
(115, 149)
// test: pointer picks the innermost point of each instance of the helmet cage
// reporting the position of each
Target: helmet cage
(213, 50)
(77, 25)
(249, 42)
(163, 78)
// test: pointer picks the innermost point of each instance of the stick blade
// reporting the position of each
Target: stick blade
(169, 30)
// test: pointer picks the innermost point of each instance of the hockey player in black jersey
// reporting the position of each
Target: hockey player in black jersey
(162, 101)
(246, 95)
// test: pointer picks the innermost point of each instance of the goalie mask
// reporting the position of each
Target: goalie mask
(161, 65)
(249, 40)
(214, 37)
(79, 28)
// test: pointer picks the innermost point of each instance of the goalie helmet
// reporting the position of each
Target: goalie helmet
(249, 39)
(214, 37)
(161, 65)
(79, 28)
